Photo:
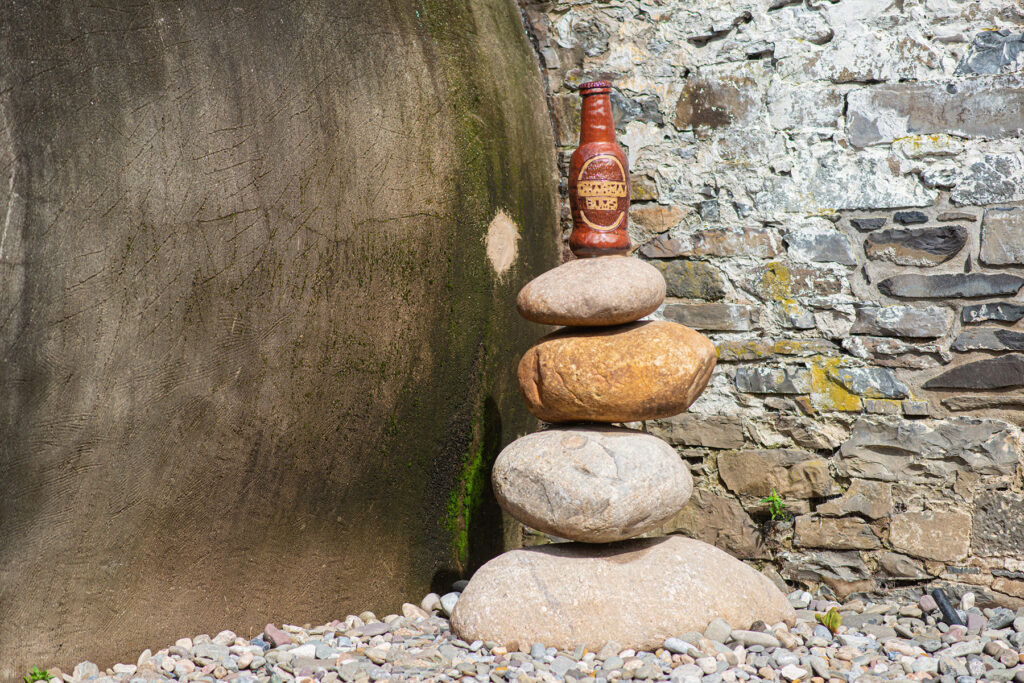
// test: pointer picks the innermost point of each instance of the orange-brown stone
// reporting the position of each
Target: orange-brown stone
(639, 371)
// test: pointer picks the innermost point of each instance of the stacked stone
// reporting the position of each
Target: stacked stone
(593, 483)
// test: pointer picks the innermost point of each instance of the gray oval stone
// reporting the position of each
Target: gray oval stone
(637, 593)
(591, 484)
(609, 290)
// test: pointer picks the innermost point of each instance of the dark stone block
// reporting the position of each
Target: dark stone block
(989, 339)
(909, 217)
(965, 285)
(692, 280)
(992, 373)
(1003, 311)
(866, 224)
(916, 247)
(998, 525)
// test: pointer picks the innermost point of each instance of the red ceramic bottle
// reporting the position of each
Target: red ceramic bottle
(598, 180)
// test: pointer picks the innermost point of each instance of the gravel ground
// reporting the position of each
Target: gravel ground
(877, 641)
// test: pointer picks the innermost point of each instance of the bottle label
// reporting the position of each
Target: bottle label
(602, 192)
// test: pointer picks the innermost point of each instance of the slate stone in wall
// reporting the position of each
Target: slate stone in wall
(842, 566)
(989, 339)
(932, 535)
(994, 179)
(964, 285)
(723, 317)
(722, 522)
(873, 499)
(985, 106)
(998, 523)
(924, 451)
(781, 280)
(708, 431)
(843, 533)
(753, 242)
(991, 373)
(810, 105)
(993, 52)
(920, 247)
(692, 280)
(867, 224)
(901, 567)
(1002, 236)
(794, 474)
(869, 382)
(823, 246)
(764, 380)
(1002, 311)
(902, 321)
(717, 97)
(910, 217)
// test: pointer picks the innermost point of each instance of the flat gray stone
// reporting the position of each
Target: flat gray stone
(869, 382)
(568, 593)
(902, 321)
(992, 373)
(765, 380)
(717, 317)
(608, 290)
(989, 339)
(924, 451)
(987, 106)
(1001, 311)
(591, 484)
(916, 247)
(1002, 236)
(823, 246)
(964, 285)
(692, 279)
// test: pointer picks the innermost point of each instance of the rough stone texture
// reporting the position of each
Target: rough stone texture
(1000, 311)
(844, 533)
(872, 499)
(565, 595)
(988, 107)
(722, 522)
(793, 474)
(773, 98)
(902, 321)
(710, 431)
(821, 245)
(594, 291)
(724, 317)
(998, 523)
(932, 535)
(916, 247)
(993, 373)
(965, 285)
(638, 371)
(1002, 236)
(893, 449)
(692, 280)
(591, 484)
(247, 306)
(766, 380)
(989, 339)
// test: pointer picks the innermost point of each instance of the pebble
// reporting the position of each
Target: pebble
(927, 603)
(418, 648)
(448, 601)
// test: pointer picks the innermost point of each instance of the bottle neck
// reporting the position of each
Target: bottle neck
(596, 123)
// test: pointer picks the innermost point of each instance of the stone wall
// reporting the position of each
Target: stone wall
(835, 194)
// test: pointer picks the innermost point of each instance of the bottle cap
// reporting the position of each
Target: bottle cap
(595, 87)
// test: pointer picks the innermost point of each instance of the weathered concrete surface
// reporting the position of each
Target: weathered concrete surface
(253, 352)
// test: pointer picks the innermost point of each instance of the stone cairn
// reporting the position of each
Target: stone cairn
(599, 485)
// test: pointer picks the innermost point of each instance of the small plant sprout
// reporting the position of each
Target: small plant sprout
(830, 619)
(37, 674)
(776, 506)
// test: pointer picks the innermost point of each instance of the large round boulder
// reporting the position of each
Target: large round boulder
(258, 265)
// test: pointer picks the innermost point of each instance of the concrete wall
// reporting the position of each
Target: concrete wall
(255, 356)
(834, 191)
